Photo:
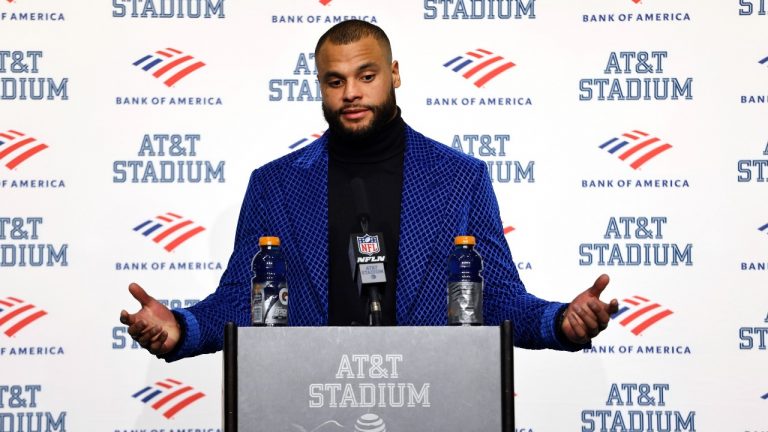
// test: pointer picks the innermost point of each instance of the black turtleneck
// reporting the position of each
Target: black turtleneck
(378, 161)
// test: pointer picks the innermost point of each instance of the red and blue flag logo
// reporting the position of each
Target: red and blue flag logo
(479, 65)
(16, 147)
(168, 396)
(635, 147)
(305, 140)
(169, 65)
(169, 230)
(15, 314)
(638, 314)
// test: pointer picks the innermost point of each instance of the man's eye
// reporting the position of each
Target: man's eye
(334, 83)
(368, 77)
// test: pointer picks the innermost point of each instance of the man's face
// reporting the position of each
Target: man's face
(358, 86)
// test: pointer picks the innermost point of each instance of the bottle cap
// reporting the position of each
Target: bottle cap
(464, 240)
(269, 241)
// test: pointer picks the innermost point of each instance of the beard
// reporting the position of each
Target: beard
(382, 114)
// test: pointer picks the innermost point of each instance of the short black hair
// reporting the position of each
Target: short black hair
(349, 31)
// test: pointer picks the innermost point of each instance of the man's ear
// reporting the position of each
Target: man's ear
(395, 74)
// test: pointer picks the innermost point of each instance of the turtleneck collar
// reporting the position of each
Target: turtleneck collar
(384, 144)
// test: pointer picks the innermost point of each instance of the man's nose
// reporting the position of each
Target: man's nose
(352, 91)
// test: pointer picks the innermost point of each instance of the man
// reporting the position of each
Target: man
(425, 194)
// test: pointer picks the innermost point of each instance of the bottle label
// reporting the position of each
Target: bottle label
(269, 304)
(465, 303)
(257, 303)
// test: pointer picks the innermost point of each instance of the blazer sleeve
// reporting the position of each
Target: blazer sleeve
(505, 297)
(203, 323)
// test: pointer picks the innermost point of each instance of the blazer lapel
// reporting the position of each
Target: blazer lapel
(307, 199)
(426, 192)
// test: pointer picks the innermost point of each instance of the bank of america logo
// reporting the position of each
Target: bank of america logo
(508, 229)
(763, 228)
(479, 65)
(15, 148)
(638, 314)
(168, 396)
(764, 61)
(169, 230)
(15, 314)
(170, 65)
(635, 147)
(764, 397)
(325, 2)
(306, 140)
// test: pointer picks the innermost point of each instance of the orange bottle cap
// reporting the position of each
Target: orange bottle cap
(269, 241)
(464, 240)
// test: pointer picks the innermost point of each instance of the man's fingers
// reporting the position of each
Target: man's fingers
(601, 312)
(613, 307)
(125, 317)
(600, 283)
(136, 329)
(587, 316)
(139, 294)
(577, 325)
(148, 336)
(156, 346)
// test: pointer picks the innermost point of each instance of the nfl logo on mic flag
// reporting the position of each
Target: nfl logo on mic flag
(368, 244)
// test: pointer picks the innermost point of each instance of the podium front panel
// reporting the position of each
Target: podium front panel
(372, 379)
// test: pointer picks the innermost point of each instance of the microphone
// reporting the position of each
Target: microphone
(367, 255)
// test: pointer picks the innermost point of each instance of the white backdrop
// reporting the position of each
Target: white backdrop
(68, 210)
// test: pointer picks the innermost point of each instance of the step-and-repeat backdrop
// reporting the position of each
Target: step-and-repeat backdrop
(626, 137)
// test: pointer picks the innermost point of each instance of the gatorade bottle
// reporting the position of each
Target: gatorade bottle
(465, 283)
(269, 295)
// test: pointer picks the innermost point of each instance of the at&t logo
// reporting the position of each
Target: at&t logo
(753, 170)
(754, 337)
(168, 9)
(649, 84)
(635, 244)
(492, 149)
(752, 7)
(479, 9)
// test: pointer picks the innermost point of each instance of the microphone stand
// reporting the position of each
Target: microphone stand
(374, 306)
(374, 299)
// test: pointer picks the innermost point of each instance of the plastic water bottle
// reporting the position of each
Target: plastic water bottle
(269, 294)
(465, 283)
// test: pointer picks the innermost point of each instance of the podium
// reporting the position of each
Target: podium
(368, 379)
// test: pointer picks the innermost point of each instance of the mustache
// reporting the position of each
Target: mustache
(341, 110)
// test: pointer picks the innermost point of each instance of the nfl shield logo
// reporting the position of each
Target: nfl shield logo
(368, 244)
